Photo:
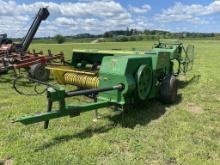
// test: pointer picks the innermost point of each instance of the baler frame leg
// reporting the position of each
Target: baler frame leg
(96, 114)
(49, 109)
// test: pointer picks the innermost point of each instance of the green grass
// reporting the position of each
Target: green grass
(185, 133)
(68, 40)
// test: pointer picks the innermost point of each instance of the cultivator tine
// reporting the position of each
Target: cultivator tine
(50, 53)
(34, 52)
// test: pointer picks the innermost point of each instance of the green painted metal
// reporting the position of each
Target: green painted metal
(59, 95)
(144, 81)
(140, 72)
(70, 110)
(121, 69)
(177, 52)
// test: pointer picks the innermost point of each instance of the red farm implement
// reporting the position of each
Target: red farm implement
(15, 56)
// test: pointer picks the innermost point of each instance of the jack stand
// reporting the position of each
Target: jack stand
(96, 113)
(96, 116)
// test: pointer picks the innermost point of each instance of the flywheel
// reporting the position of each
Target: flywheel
(144, 81)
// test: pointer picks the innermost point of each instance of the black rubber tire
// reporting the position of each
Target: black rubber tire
(6, 41)
(168, 90)
(3, 71)
(39, 72)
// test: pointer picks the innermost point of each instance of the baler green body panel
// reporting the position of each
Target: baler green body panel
(124, 68)
(121, 69)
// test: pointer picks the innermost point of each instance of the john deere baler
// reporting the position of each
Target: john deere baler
(116, 78)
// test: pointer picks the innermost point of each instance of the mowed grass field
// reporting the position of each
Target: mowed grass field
(185, 133)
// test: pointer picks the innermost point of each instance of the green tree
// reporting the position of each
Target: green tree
(60, 39)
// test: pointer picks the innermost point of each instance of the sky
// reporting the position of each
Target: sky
(97, 16)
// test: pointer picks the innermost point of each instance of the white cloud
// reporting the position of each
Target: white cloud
(95, 16)
(190, 13)
(142, 23)
(211, 8)
(64, 21)
(91, 8)
(144, 9)
(67, 18)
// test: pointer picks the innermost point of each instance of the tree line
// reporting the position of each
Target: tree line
(134, 35)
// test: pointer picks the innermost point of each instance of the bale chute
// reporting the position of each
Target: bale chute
(188, 59)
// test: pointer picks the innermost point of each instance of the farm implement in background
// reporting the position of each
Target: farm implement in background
(15, 56)
(115, 78)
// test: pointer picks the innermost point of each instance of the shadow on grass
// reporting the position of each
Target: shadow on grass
(141, 115)
(88, 132)
(183, 84)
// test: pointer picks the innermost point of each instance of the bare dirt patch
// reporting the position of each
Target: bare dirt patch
(8, 161)
(193, 108)
(218, 98)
